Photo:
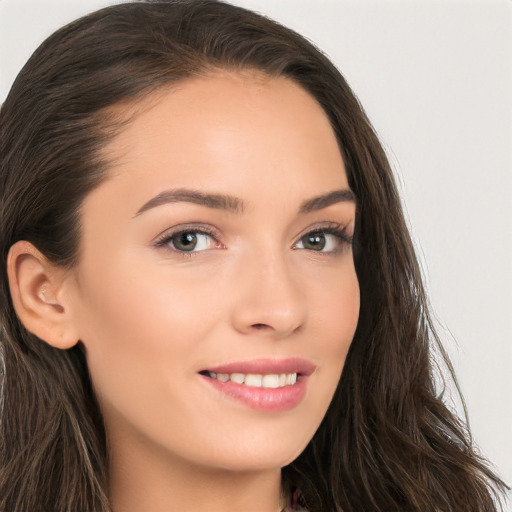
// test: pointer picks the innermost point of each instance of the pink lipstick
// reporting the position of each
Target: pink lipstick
(264, 384)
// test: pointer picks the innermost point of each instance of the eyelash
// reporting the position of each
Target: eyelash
(165, 240)
(337, 230)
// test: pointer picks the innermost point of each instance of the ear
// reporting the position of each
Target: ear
(38, 293)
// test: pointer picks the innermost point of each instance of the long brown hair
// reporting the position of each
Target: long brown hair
(387, 442)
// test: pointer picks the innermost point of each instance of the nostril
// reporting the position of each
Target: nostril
(260, 327)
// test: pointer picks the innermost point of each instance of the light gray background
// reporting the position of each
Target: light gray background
(436, 80)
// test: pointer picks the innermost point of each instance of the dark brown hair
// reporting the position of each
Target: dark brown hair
(387, 442)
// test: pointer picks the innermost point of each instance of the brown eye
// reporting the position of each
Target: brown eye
(189, 241)
(330, 240)
(184, 241)
(314, 241)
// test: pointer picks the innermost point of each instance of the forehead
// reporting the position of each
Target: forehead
(244, 132)
(211, 108)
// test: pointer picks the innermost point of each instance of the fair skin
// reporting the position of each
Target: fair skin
(268, 277)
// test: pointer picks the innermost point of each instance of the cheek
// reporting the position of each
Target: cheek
(335, 310)
(340, 318)
(334, 317)
(136, 304)
(140, 333)
(143, 343)
(349, 303)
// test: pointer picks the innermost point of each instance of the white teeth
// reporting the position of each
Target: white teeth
(273, 380)
(238, 378)
(270, 381)
(253, 380)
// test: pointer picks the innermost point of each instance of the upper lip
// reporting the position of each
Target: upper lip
(266, 366)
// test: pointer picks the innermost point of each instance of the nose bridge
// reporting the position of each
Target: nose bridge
(271, 297)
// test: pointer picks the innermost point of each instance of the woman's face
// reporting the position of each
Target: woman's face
(219, 249)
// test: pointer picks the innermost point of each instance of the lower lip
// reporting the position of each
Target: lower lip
(263, 399)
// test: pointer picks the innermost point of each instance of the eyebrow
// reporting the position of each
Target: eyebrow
(325, 200)
(215, 201)
(235, 205)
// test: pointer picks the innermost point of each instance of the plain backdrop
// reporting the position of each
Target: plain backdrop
(435, 78)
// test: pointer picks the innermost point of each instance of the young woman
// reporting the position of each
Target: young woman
(209, 299)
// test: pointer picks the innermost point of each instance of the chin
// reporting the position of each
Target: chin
(264, 453)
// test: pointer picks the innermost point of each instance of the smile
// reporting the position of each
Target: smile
(257, 380)
(271, 385)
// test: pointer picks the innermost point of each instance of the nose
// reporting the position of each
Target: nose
(269, 298)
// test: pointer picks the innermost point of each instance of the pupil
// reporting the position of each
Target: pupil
(186, 242)
(316, 242)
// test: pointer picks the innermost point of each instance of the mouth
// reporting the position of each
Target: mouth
(264, 384)
(255, 380)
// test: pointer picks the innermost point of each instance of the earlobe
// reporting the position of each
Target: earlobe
(36, 287)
